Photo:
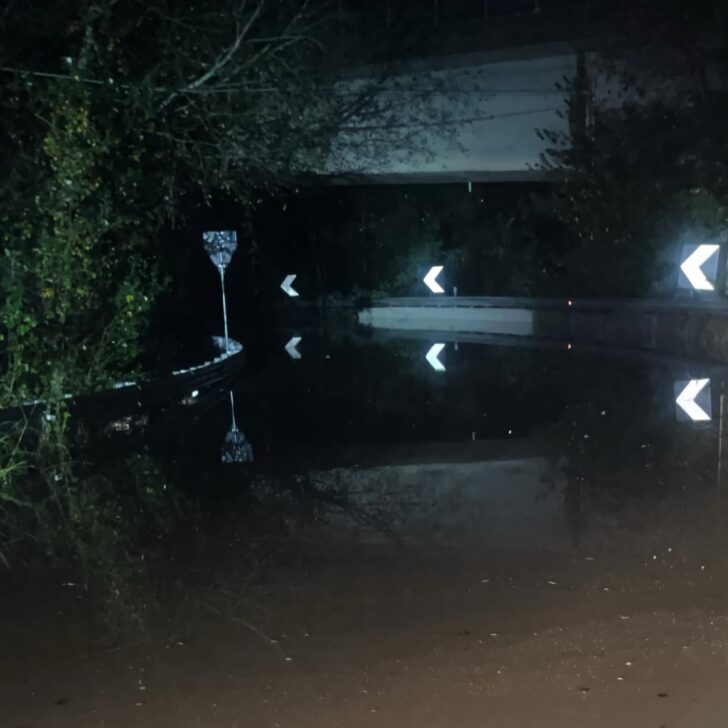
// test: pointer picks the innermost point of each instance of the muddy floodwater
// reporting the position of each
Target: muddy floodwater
(521, 536)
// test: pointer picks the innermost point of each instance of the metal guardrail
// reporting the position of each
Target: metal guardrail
(94, 412)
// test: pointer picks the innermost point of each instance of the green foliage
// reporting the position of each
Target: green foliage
(644, 167)
(492, 244)
(12, 502)
(116, 118)
(401, 245)
(387, 240)
(76, 275)
(78, 283)
(382, 244)
(108, 524)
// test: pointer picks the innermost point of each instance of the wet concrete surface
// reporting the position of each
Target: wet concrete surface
(388, 639)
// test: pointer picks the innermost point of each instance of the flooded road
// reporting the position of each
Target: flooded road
(524, 537)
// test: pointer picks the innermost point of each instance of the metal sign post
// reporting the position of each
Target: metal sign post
(220, 246)
(719, 469)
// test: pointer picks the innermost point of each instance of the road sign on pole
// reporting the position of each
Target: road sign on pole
(432, 357)
(220, 246)
(430, 279)
(693, 400)
(287, 285)
(699, 267)
(292, 347)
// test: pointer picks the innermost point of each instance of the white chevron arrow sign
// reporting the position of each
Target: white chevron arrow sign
(692, 266)
(292, 347)
(432, 357)
(287, 285)
(686, 400)
(430, 279)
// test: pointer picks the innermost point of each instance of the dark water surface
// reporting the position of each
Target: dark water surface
(532, 536)
(361, 403)
(342, 395)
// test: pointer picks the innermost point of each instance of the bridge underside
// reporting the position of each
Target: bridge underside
(467, 118)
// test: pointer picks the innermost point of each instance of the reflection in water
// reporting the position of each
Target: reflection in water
(719, 474)
(573, 510)
(524, 518)
(461, 496)
(236, 448)
(511, 449)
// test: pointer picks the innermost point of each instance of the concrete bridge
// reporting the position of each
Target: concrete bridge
(464, 118)
(476, 82)
(480, 80)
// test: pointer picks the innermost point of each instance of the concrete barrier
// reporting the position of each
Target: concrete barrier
(686, 328)
(513, 321)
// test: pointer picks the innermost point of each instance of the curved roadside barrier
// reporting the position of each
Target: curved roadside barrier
(128, 403)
